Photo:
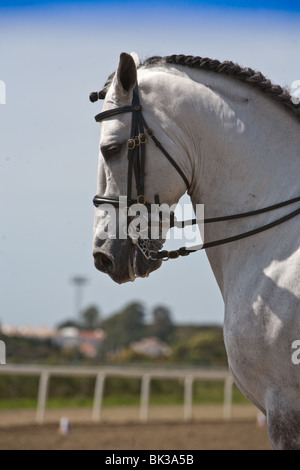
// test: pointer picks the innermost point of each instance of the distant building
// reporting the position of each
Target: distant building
(69, 337)
(87, 341)
(66, 337)
(151, 347)
(28, 331)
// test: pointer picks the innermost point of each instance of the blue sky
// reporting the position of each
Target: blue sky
(291, 5)
(51, 57)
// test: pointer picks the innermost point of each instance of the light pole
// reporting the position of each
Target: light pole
(79, 282)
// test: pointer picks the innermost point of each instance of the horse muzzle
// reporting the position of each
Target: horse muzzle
(122, 260)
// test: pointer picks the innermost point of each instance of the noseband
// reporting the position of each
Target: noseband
(140, 132)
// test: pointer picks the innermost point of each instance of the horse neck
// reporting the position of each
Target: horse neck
(244, 149)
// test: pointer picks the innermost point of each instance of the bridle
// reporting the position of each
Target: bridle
(140, 132)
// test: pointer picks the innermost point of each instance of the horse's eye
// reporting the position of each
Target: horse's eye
(113, 150)
(109, 151)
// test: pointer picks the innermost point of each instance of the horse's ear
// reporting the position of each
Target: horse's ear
(126, 75)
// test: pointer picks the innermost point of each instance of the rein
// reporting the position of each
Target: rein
(136, 165)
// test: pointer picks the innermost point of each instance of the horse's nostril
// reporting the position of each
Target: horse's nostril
(105, 260)
(102, 262)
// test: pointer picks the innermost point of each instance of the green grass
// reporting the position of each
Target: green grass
(168, 393)
(17, 403)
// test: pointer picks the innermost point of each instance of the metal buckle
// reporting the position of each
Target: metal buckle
(131, 144)
(138, 199)
(142, 138)
(136, 141)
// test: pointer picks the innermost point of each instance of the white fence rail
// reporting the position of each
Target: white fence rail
(146, 375)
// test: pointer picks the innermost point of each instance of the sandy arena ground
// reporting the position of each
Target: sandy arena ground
(119, 429)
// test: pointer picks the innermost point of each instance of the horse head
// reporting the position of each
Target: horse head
(131, 165)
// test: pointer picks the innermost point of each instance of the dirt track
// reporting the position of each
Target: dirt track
(151, 436)
(164, 431)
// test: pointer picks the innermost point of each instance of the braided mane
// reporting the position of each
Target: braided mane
(247, 75)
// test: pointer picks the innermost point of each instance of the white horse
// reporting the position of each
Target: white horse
(236, 138)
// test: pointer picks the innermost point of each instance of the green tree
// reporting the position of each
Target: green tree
(162, 326)
(204, 347)
(91, 318)
(124, 327)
